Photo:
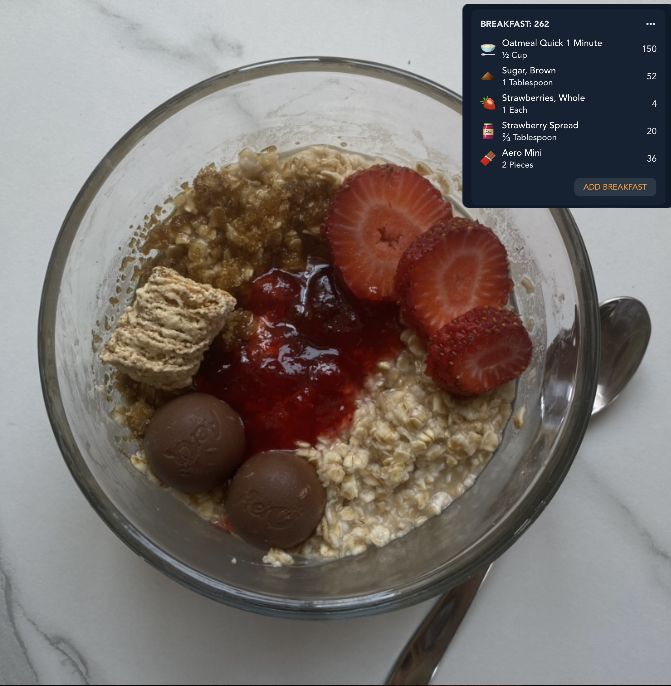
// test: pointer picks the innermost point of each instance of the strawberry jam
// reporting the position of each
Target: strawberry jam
(299, 374)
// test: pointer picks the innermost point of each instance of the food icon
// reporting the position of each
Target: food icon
(488, 103)
(487, 158)
(487, 76)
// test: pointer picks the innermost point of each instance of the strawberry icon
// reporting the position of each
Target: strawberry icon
(488, 103)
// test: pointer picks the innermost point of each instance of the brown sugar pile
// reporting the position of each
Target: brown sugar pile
(234, 223)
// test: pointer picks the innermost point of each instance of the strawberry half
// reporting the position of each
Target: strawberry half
(457, 265)
(372, 219)
(478, 351)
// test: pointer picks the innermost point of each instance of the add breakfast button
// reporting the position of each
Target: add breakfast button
(610, 187)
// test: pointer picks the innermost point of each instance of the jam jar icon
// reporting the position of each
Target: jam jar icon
(487, 131)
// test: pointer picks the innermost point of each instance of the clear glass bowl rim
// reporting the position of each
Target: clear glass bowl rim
(486, 551)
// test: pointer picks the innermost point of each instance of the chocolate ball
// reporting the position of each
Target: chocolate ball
(194, 442)
(275, 500)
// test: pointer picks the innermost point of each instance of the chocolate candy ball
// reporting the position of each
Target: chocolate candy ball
(194, 442)
(275, 500)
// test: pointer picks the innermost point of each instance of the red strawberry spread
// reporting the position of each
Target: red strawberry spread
(333, 307)
(299, 375)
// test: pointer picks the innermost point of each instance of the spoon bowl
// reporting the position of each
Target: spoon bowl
(625, 332)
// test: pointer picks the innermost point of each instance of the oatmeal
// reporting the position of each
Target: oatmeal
(367, 357)
(410, 451)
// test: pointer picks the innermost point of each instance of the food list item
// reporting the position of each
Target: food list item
(566, 105)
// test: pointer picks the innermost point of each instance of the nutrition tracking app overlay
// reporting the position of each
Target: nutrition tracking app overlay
(566, 106)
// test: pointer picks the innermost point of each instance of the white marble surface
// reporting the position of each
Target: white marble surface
(585, 596)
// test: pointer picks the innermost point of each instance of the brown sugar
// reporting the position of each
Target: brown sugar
(235, 223)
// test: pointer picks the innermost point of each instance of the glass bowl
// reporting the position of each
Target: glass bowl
(378, 111)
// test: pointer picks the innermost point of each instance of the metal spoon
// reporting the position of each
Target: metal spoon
(625, 332)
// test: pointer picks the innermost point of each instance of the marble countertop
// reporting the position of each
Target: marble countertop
(585, 596)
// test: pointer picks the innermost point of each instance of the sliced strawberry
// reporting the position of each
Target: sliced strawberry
(373, 218)
(478, 351)
(457, 265)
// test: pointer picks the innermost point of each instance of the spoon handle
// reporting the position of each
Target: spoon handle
(422, 654)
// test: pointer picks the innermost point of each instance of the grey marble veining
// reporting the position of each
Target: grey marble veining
(626, 519)
(16, 667)
(20, 634)
(204, 50)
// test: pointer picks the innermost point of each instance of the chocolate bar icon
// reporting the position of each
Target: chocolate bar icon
(487, 158)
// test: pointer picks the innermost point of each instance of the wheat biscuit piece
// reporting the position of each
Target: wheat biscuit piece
(160, 340)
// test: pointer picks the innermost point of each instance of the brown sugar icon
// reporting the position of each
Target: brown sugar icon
(487, 76)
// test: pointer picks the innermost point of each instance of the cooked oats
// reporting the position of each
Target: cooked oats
(410, 450)
(528, 284)
(278, 558)
(518, 417)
